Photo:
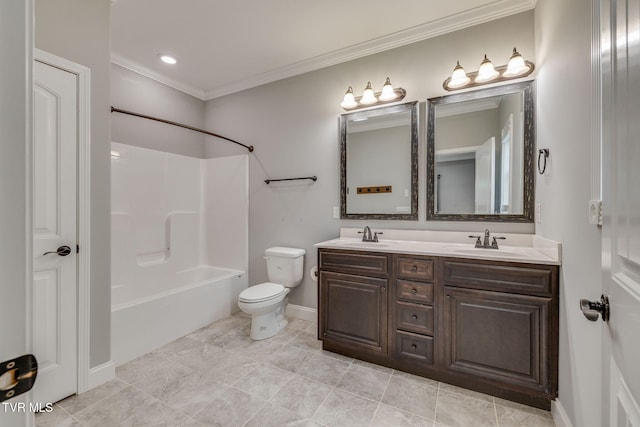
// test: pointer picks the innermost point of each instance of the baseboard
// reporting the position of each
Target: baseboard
(300, 312)
(560, 417)
(101, 374)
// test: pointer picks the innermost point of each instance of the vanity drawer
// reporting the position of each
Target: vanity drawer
(520, 279)
(414, 317)
(414, 268)
(354, 262)
(413, 347)
(414, 291)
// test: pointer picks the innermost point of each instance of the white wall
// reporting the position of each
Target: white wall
(226, 211)
(563, 126)
(293, 125)
(78, 30)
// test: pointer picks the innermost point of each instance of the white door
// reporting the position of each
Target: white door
(486, 177)
(621, 207)
(54, 227)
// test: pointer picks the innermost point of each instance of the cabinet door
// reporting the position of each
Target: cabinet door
(498, 336)
(353, 310)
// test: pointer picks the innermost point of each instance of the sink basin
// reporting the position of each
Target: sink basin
(496, 253)
(361, 244)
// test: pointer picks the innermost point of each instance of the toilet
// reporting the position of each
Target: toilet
(266, 302)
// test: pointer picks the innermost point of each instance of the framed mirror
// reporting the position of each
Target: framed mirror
(379, 163)
(480, 153)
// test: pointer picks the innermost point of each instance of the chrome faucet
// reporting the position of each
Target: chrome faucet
(366, 235)
(484, 244)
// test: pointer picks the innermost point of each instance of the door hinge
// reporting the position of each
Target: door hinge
(77, 249)
(17, 376)
(595, 212)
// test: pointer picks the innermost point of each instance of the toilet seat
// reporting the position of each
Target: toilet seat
(261, 293)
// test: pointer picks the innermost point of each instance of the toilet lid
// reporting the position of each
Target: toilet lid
(262, 292)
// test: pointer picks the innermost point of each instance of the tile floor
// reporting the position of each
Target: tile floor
(217, 376)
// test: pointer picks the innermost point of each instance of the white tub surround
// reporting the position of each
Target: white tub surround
(526, 248)
(179, 241)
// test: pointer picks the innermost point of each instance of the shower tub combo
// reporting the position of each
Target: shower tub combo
(179, 248)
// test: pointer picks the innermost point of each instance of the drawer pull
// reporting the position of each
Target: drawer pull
(413, 346)
(415, 267)
(414, 317)
(414, 291)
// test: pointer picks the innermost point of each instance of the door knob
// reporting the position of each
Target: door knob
(593, 309)
(62, 251)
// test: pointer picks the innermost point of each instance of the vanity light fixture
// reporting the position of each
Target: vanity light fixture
(369, 98)
(458, 77)
(516, 66)
(487, 73)
(349, 100)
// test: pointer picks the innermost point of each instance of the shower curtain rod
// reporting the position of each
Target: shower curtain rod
(169, 122)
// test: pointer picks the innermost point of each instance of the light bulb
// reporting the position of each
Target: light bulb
(458, 77)
(349, 100)
(486, 72)
(516, 66)
(368, 97)
(387, 93)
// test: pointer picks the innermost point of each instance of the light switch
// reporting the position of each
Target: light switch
(538, 213)
(336, 212)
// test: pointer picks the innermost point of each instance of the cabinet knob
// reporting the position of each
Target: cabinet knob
(414, 317)
(413, 346)
(415, 268)
(414, 291)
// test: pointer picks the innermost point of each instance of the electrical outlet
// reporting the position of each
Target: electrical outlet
(336, 212)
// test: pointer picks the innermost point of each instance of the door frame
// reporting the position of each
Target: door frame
(83, 179)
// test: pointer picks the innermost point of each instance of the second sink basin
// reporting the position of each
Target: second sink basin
(498, 253)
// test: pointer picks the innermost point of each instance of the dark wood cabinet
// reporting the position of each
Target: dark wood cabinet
(490, 326)
(498, 336)
(354, 310)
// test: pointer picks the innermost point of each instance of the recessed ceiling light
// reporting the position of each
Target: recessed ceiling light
(167, 59)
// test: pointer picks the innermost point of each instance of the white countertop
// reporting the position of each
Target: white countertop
(527, 248)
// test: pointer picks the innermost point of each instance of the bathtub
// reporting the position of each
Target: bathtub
(152, 312)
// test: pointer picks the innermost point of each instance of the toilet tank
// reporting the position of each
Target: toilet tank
(285, 265)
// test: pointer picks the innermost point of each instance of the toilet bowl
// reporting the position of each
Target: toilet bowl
(266, 302)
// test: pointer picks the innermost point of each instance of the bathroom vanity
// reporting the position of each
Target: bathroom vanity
(482, 319)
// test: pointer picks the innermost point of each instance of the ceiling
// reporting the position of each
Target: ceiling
(224, 46)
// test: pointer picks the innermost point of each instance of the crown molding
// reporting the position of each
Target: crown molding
(496, 10)
(154, 75)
